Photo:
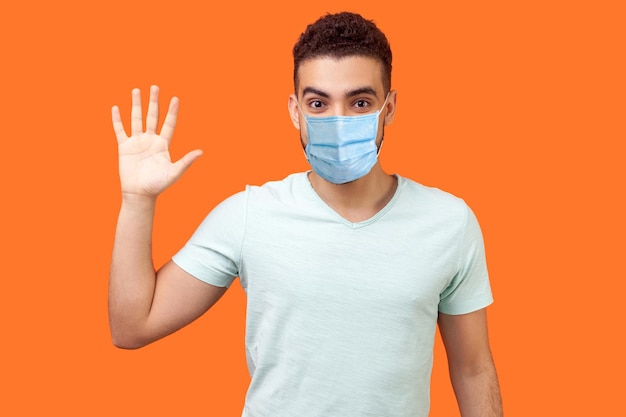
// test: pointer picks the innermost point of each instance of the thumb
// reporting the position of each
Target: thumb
(185, 162)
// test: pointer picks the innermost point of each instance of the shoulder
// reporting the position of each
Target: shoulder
(286, 185)
(270, 190)
(432, 200)
(290, 191)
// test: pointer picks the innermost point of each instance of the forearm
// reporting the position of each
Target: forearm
(132, 276)
(477, 391)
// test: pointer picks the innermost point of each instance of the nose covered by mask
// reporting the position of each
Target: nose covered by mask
(342, 149)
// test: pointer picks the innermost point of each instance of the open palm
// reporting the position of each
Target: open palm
(145, 166)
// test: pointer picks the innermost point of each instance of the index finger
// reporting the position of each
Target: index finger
(167, 131)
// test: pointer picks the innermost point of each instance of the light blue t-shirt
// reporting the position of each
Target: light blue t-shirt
(341, 316)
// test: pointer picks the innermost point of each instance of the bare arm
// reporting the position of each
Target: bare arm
(145, 305)
(470, 362)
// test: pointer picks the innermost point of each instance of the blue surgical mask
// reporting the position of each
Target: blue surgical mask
(342, 149)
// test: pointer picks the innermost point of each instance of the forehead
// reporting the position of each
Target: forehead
(337, 76)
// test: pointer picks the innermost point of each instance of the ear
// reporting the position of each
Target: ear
(390, 107)
(294, 113)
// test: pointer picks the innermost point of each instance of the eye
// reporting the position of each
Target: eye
(316, 104)
(361, 104)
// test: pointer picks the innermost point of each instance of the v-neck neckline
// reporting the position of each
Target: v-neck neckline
(348, 223)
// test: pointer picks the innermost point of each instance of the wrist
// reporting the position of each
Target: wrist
(138, 200)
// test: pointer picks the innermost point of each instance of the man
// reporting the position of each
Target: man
(347, 269)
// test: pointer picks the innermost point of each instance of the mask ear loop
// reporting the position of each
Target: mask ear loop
(380, 111)
(384, 103)
(299, 123)
(301, 113)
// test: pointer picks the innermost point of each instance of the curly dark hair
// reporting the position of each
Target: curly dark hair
(341, 35)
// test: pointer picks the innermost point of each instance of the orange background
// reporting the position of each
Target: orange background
(518, 107)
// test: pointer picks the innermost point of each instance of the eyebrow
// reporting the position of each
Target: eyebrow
(362, 90)
(315, 91)
(351, 93)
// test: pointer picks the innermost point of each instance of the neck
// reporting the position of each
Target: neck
(357, 200)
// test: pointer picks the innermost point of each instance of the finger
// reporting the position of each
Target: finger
(152, 118)
(136, 125)
(167, 131)
(185, 162)
(118, 126)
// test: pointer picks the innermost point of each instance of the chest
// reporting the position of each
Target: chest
(325, 265)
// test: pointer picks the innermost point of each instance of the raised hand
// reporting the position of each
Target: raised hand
(145, 166)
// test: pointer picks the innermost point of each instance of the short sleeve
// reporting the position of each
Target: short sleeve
(213, 253)
(469, 290)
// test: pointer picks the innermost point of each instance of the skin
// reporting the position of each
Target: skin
(146, 305)
(470, 364)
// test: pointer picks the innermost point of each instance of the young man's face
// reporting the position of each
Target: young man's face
(348, 86)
